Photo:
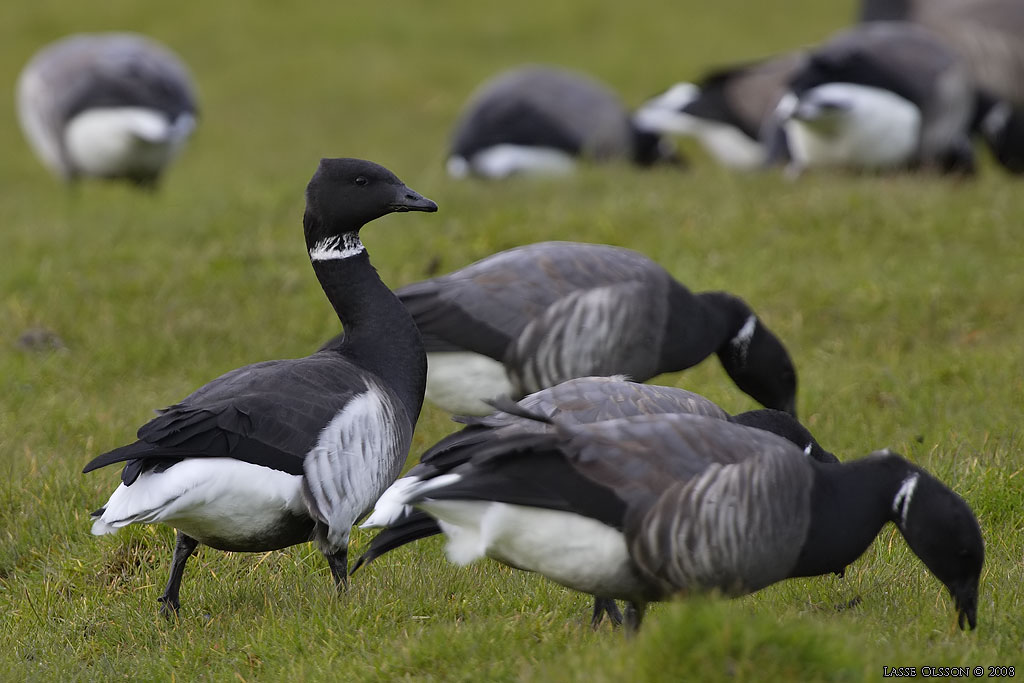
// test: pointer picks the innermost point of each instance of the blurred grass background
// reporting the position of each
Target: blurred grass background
(900, 299)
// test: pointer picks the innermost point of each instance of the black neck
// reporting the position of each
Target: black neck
(699, 325)
(850, 503)
(379, 333)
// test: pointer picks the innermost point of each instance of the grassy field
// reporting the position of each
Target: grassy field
(900, 300)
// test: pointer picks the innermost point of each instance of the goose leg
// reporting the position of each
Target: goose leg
(338, 562)
(603, 606)
(634, 616)
(184, 546)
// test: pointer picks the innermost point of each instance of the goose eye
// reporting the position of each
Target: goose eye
(361, 180)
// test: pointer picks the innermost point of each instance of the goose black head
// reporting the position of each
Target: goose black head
(786, 426)
(346, 194)
(759, 364)
(941, 530)
(1002, 127)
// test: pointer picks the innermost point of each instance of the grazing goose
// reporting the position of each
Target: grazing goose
(528, 318)
(578, 401)
(288, 451)
(106, 105)
(987, 34)
(726, 111)
(648, 507)
(881, 95)
(540, 120)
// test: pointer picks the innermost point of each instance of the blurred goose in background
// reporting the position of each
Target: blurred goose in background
(290, 451)
(541, 120)
(106, 105)
(989, 36)
(577, 401)
(531, 317)
(881, 95)
(648, 507)
(726, 111)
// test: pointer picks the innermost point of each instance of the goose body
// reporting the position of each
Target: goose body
(579, 401)
(288, 451)
(882, 95)
(539, 120)
(700, 504)
(726, 111)
(985, 33)
(106, 105)
(531, 317)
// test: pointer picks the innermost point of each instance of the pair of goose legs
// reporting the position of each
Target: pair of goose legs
(634, 614)
(185, 545)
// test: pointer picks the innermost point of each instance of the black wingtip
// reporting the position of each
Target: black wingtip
(507, 405)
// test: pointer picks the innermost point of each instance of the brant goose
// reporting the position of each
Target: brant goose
(288, 451)
(987, 35)
(528, 318)
(647, 507)
(880, 95)
(540, 120)
(577, 401)
(106, 105)
(726, 111)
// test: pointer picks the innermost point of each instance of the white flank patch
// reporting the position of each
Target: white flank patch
(220, 498)
(337, 247)
(742, 339)
(808, 448)
(843, 124)
(901, 503)
(995, 120)
(459, 381)
(391, 504)
(570, 549)
(501, 161)
(357, 456)
(659, 114)
(116, 141)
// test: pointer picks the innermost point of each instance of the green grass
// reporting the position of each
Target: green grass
(899, 298)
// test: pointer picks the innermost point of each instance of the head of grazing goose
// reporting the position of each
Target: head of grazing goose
(759, 364)
(786, 426)
(941, 530)
(346, 194)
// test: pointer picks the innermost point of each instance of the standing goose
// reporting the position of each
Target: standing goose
(882, 95)
(578, 401)
(648, 507)
(288, 451)
(540, 120)
(726, 111)
(106, 105)
(531, 317)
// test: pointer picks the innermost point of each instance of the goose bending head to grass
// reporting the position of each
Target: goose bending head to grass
(726, 111)
(578, 401)
(288, 451)
(878, 96)
(539, 120)
(106, 105)
(531, 317)
(649, 507)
